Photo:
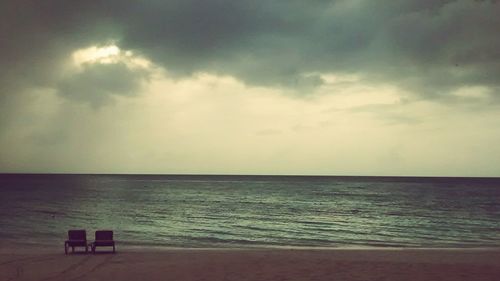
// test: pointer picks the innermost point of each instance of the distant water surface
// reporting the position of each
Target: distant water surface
(248, 211)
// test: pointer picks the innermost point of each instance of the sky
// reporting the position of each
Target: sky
(316, 87)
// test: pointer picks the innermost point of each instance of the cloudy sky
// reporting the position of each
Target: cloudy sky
(341, 87)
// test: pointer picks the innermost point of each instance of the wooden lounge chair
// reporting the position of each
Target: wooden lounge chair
(103, 238)
(76, 238)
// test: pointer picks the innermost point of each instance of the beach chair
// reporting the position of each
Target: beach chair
(76, 238)
(103, 238)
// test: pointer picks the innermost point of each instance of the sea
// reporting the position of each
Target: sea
(212, 211)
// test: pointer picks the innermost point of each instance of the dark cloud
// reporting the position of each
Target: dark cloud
(428, 47)
(96, 83)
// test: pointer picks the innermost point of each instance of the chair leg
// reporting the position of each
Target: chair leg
(113, 248)
(86, 249)
(65, 248)
(72, 249)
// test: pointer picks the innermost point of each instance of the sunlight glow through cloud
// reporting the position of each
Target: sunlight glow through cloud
(94, 54)
(108, 54)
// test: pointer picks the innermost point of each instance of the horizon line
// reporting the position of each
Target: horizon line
(248, 175)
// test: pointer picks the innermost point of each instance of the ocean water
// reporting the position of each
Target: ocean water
(253, 211)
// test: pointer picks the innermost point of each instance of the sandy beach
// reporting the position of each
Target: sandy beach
(253, 264)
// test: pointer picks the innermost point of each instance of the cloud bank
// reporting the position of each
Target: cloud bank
(429, 47)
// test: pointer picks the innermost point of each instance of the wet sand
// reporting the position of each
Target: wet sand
(253, 264)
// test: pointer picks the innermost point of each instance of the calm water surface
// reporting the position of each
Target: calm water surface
(247, 211)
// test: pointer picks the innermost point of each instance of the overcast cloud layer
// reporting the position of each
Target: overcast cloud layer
(428, 46)
(442, 52)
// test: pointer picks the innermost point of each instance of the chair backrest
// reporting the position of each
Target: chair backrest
(104, 235)
(79, 234)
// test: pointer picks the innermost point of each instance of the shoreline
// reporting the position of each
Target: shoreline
(16, 246)
(5, 245)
